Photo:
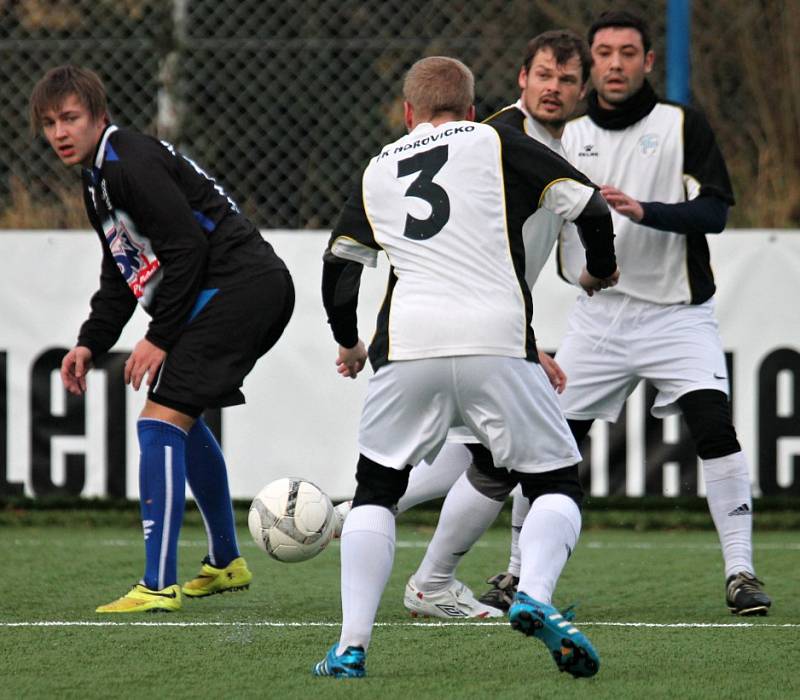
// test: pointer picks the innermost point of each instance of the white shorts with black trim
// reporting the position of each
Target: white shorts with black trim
(506, 402)
(614, 341)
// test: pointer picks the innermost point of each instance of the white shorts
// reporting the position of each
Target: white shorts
(506, 402)
(614, 341)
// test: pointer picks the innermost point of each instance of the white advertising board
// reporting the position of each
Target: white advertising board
(301, 418)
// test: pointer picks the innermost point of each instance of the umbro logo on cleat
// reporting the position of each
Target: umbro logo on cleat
(743, 509)
(452, 610)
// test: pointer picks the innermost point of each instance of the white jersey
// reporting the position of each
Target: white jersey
(447, 205)
(542, 229)
(668, 155)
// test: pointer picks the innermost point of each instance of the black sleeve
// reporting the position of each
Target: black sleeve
(702, 158)
(353, 222)
(111, 307)
(152, 197)
(597, 233)
(533, 163)
(706, 214)
(341, 280)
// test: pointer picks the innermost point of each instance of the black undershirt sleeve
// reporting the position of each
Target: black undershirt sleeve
(597, 233)
(705, 214)
(341, 280)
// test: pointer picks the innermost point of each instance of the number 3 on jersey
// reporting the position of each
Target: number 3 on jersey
(427, 164)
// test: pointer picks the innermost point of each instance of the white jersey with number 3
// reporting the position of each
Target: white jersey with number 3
(447, 205)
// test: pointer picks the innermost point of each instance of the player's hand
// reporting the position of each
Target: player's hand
(146, 358)
(351, 360)
(74, 367)
(622, 203)
(592, 284)
(555, 374)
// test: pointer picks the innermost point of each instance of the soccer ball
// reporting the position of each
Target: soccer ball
(291, 520)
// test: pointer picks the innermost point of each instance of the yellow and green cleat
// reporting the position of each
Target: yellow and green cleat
(234, 577)
(142, 599)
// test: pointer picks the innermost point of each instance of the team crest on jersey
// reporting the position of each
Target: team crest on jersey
(134, 256)
(648, 144)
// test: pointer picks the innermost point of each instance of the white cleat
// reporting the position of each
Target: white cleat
(455, 601)
(340, 513)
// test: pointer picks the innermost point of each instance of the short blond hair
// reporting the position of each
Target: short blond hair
(439, 85)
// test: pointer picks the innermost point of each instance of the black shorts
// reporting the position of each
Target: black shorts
(218, 347)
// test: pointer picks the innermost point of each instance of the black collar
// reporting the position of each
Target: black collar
(636, 107)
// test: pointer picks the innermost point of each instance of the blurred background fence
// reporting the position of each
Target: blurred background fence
(284, 102)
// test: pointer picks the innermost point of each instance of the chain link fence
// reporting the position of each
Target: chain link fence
(285, 102)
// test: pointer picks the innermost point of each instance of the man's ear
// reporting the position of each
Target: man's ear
(408, 115)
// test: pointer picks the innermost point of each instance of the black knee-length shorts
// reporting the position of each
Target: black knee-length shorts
(220, 345)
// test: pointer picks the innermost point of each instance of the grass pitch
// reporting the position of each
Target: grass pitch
(652, 604)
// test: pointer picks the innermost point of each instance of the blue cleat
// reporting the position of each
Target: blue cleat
(349, 664)
(571, 649)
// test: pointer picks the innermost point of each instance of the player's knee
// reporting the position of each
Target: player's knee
(707, 412)
(379, 485)
(497, 485)
(564, 481)
(487, 479)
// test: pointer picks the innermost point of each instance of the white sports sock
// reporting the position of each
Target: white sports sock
(548, 537)
(519, 511)
(429, 480)
(465, 516)
(730, 502)
(367, 556)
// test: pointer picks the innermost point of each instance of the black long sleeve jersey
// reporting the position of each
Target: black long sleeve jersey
(168, 231)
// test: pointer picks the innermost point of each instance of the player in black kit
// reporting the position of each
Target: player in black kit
(219, 298)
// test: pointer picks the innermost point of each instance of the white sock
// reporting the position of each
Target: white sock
(429, 480)
(519, 511)
(730, 502)
(548, 537)
(466, 515)
(367, 556)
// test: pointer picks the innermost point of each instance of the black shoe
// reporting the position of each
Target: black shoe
(745, 596)
(502, 592)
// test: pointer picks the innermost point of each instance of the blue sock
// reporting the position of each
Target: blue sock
(162, 493)
(208, 480)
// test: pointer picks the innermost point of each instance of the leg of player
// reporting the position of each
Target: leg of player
(428, 480)
(367, 556)
(162, 483)
(223, 569)
(547, 539)
(471, 506)
(431, 480)
(727, 478)
(504, 585)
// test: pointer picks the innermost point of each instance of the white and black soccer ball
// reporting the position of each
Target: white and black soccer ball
(291, 519)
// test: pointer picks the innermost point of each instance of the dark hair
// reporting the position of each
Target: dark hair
(621, 18)
(564, 44)
(58, 84)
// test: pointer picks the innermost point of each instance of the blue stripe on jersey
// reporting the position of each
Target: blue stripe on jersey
(202, 299)
(204, 221)
(111, 154)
